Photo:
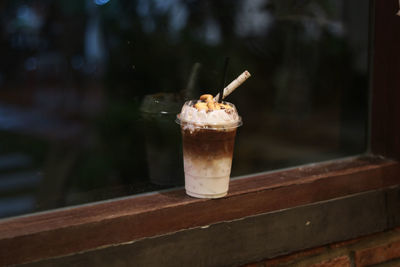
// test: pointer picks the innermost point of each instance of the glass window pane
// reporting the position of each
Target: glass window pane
(89, 90)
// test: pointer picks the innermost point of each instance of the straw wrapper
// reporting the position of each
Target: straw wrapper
(233, 85)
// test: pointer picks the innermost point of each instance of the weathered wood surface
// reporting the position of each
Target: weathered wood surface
(83, 228)
(253, 238)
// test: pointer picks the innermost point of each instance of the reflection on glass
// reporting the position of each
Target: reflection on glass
(89, 90)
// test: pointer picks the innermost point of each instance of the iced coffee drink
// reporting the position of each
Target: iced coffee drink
(208, 131)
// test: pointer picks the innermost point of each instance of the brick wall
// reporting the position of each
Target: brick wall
(382, 249)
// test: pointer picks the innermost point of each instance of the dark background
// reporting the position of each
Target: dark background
(89, 90)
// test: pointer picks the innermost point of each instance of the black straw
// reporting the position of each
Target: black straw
(221, 92)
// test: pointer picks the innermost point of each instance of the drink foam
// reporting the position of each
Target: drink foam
(190, 117)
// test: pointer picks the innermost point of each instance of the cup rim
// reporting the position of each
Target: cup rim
(210, 126)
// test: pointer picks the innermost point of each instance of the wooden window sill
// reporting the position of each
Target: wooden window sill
(81, 228)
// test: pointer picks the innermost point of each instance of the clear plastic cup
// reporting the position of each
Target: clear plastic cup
(207, 155)
(162, 138)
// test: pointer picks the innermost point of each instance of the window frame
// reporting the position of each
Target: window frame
(76, 229)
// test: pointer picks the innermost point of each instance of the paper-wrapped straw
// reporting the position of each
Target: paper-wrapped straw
(234, 84)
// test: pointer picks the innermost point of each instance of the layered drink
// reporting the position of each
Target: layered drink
(208, 131)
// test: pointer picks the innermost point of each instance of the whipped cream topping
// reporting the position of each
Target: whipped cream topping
(218, 118)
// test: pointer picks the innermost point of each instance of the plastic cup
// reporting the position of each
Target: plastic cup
(162, 139)
(207, 157)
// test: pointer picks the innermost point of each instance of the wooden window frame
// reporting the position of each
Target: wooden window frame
(76, 229)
